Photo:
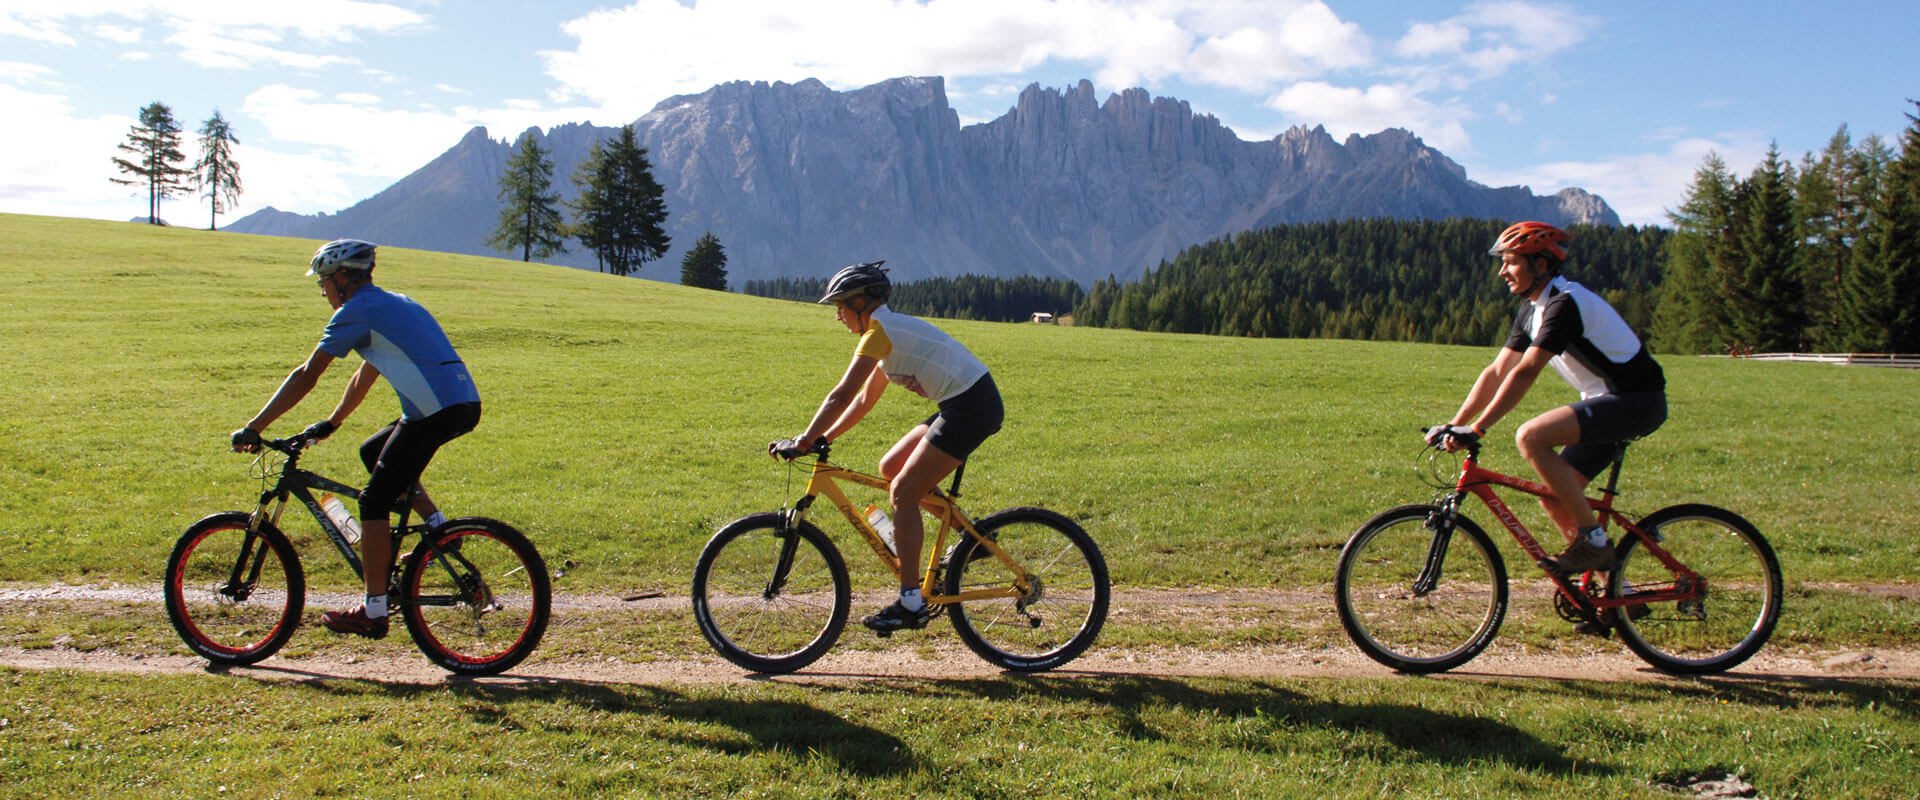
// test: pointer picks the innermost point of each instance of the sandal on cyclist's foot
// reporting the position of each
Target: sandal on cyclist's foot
(1582, 556)
(355, 622)
(896, 617)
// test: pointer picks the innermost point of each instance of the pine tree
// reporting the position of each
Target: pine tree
(1691, 315)
(621, 213)
(1884, 287)
(530, 217)
(154, 143)
(705, 266)
(217, 174)
(1766, 308)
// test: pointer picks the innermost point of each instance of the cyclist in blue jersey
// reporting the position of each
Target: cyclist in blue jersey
(896, 348)
(1623, 391)
(438, 403)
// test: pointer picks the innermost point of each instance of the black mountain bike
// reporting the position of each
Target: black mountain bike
(474, 593)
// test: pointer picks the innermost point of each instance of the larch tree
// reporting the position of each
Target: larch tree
(216, 173)
(530, 212)
(153, 150)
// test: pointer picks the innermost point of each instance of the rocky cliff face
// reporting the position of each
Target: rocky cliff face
(797, 179)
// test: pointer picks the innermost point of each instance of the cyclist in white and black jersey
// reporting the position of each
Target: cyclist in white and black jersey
(1622, 389)
(896, 348)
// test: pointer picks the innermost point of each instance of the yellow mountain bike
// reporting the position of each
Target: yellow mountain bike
(1026, 588)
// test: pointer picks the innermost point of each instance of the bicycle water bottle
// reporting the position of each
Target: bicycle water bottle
(877, 517)
(337, 513)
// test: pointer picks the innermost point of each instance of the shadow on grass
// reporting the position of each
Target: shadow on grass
(768, 724)
(1419, 733)
(1774, 691)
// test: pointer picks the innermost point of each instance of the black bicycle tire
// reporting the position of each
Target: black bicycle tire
(540, 609)
(726, 646)
(173, 588)
(1757, 635)
(963, 624)
(1357, 629)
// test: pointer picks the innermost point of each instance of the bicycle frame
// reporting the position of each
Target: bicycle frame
(295, 482)
(823, 481)
(1480, 482)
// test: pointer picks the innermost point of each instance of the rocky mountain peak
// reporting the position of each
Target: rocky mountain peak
(798, 178)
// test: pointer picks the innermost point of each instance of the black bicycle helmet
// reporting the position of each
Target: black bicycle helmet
(868, 279)
(341, 254)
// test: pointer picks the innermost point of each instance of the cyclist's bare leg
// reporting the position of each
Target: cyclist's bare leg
(1538, 439)
(376, 553)
(422, 504)
(923, 470)
(896, 457)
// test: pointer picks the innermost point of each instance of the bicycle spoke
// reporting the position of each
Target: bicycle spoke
(783, 631)
(1044, 620)
(1411, 631)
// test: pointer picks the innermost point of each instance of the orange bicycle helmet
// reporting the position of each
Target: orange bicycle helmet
(1531, 238)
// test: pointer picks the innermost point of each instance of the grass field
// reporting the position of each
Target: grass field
(626, 420)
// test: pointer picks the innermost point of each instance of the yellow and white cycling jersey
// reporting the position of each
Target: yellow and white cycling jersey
(919, 356)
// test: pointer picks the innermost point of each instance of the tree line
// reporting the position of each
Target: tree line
(155, 160)
(977, 297)
(1824, 256)
(1380, 279)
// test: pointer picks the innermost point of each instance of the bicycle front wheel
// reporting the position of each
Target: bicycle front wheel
(769, 598)
(1049, 617)
(1712, 633)
(1416, 599)
(234, 595)
(475, 596)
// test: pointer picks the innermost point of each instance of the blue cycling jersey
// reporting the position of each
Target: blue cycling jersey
(398, 337)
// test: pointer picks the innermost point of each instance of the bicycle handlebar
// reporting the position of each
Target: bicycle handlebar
(291, 445)
(1469, 443)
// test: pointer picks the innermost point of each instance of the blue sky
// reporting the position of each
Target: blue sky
(333, 100)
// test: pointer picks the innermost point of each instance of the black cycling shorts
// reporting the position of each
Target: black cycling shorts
(397, 454)
(967, 419)
(1609, 421)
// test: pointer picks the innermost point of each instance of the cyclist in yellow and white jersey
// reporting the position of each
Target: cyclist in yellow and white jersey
(896, 348)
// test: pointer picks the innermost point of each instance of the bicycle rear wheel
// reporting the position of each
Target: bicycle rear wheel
(1411, 624)
(1743, 591)
(1055, 615)
(475, 596)
(769, 598)
(234, 595)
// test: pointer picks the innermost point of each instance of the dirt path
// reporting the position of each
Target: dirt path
(947, 661)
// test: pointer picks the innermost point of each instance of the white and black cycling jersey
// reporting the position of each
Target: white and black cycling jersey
(1592, 347)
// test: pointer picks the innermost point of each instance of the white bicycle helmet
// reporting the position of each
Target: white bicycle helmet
(342, 254)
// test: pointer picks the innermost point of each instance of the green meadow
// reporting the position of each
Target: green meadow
(625, 420)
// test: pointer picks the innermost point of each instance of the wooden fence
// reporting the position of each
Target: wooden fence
(1907, 360)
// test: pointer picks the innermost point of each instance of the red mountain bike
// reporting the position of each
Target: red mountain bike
(1422, 589)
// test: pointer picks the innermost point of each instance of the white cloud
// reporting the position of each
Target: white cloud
(1121, 43)
(241, 49)
(1292, 43)
(118, 34)
(1347, 110)
(222, 34)
(60, 164)
(1640, 187)
(366, 137)
(1490, 38)
(1427, 39)
(20, 72)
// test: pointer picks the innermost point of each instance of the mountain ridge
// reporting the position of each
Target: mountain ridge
(796, 179)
